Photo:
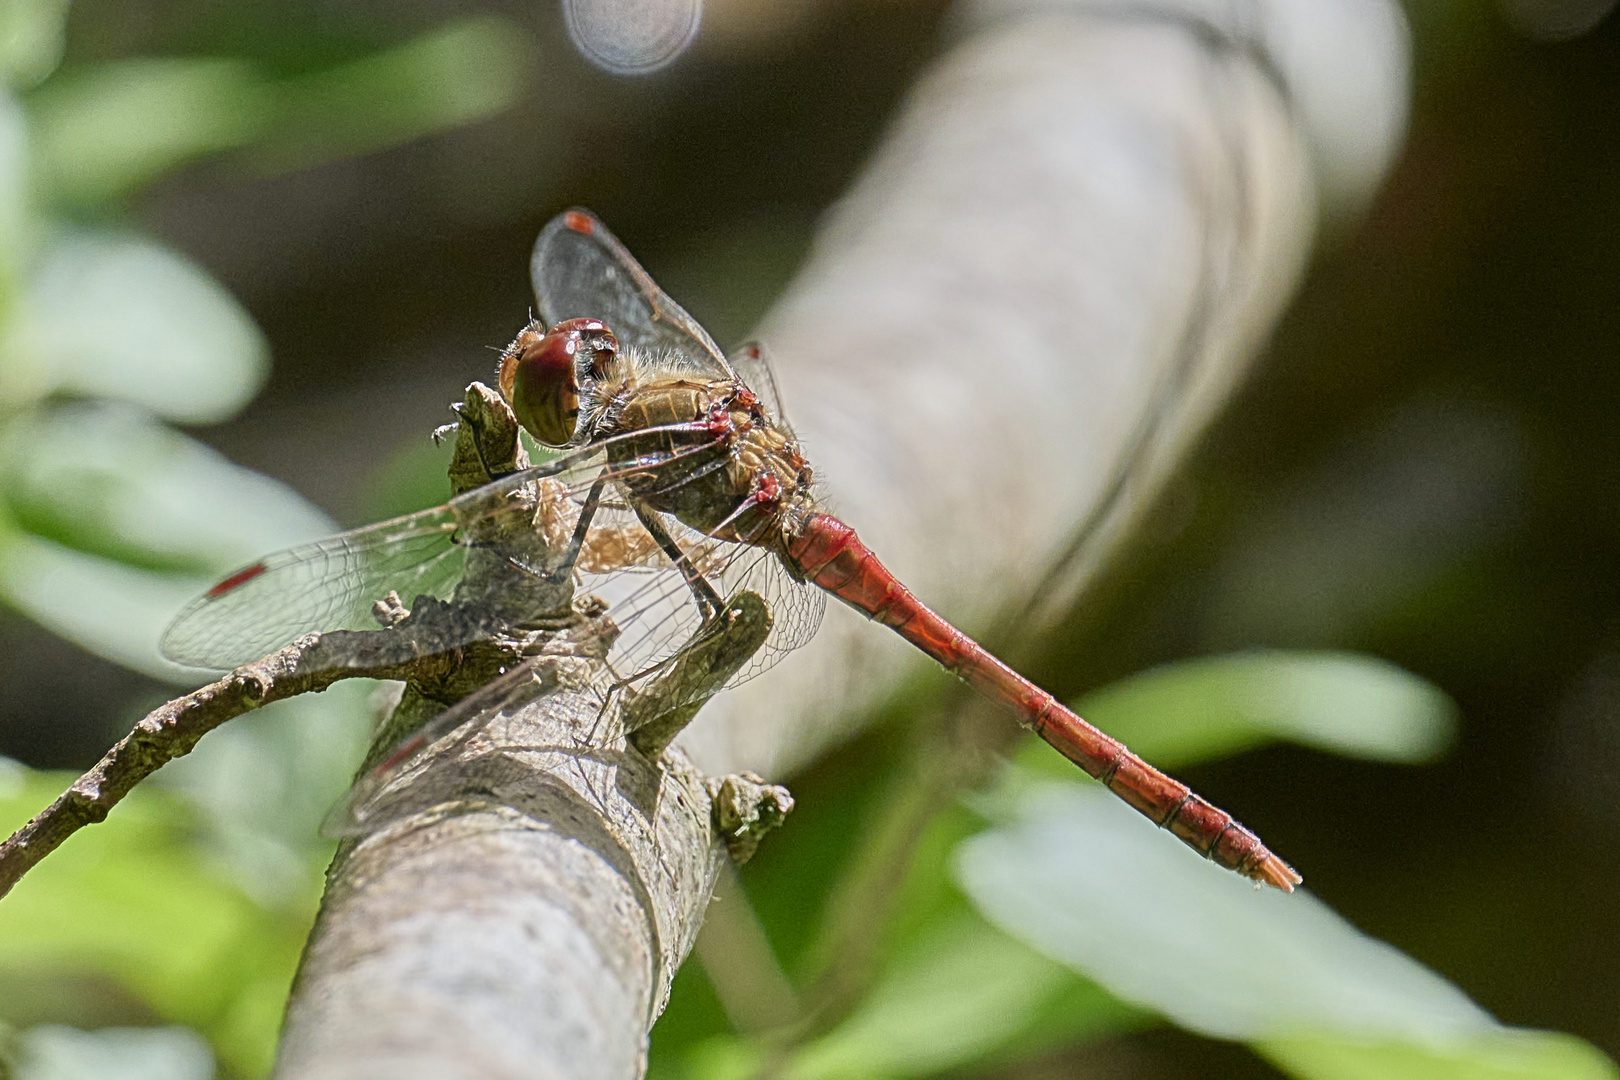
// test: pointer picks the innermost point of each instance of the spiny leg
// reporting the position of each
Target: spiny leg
(563, 565)
(570, 554)
(708, 601)
(583, 526)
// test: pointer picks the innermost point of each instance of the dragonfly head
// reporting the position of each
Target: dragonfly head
(542, 372)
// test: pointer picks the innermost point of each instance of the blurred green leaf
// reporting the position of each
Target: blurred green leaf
(53, 1052)
(953, 996)
(413, 478)
(30, 39)
(1346, 703)
(1090, 883)
(951, 991)
(726, 1057)
(461, 72)
(96, 498)
(14, 217)
(111, 315)
(103, 131)
(789, 883)
(263, 783)
(786, 884)
(134, 899)
(110, 480)
(1504, 1055)
(114, 610)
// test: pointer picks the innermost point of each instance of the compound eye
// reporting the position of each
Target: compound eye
(596, 341)
(537, 378)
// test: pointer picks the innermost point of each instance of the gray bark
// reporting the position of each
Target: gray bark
(533, 933)
(521, 894)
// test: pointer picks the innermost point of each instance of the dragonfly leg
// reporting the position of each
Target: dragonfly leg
(564, 565)
(582, 527)
(612, 688)
(708, 601)
(656, 713)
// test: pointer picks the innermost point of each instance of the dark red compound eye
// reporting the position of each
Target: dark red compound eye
(539, 375)
(595, 336)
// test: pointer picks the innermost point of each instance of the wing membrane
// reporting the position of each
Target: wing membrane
(359, 813)
(328, 585)
(332, 584)
(659, 617)
(580, 270)
(661, 622)
(755, 369)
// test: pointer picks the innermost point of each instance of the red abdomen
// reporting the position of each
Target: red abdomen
(828, 553)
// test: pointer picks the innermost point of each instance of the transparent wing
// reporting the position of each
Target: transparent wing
(520, 526)
(661, 617)
(755, 369)
(359, 811)
(333, 584)
(327, 585)
(580, 270)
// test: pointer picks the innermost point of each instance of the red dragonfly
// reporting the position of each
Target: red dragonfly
(676, 463)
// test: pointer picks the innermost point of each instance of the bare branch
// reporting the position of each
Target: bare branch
(524, 909)
(521, 915)
(309, 664)
(446, 647)
(441, 646)
(536, 882)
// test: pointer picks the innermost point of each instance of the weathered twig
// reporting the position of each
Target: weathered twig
(310, 664)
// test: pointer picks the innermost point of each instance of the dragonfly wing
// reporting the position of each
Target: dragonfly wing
(659, 622)
(580, 270)
(365, 808)
(332, 584)
(659, 617)
(755, 369)
(795, 608)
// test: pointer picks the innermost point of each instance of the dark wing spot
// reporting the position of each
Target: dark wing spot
(241, 577)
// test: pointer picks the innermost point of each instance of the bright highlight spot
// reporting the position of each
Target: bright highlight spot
(632, 37)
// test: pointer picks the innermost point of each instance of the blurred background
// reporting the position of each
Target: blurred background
(253, 251)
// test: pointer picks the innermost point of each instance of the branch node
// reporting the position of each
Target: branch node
(745, 808)
(390, 611)
(86, 792)
(252, 684)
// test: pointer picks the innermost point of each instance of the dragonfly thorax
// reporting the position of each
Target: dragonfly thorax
(732, 472)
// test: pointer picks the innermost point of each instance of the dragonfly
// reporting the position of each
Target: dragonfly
(679, 492)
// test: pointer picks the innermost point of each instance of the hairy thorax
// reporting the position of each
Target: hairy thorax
(735, 471)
